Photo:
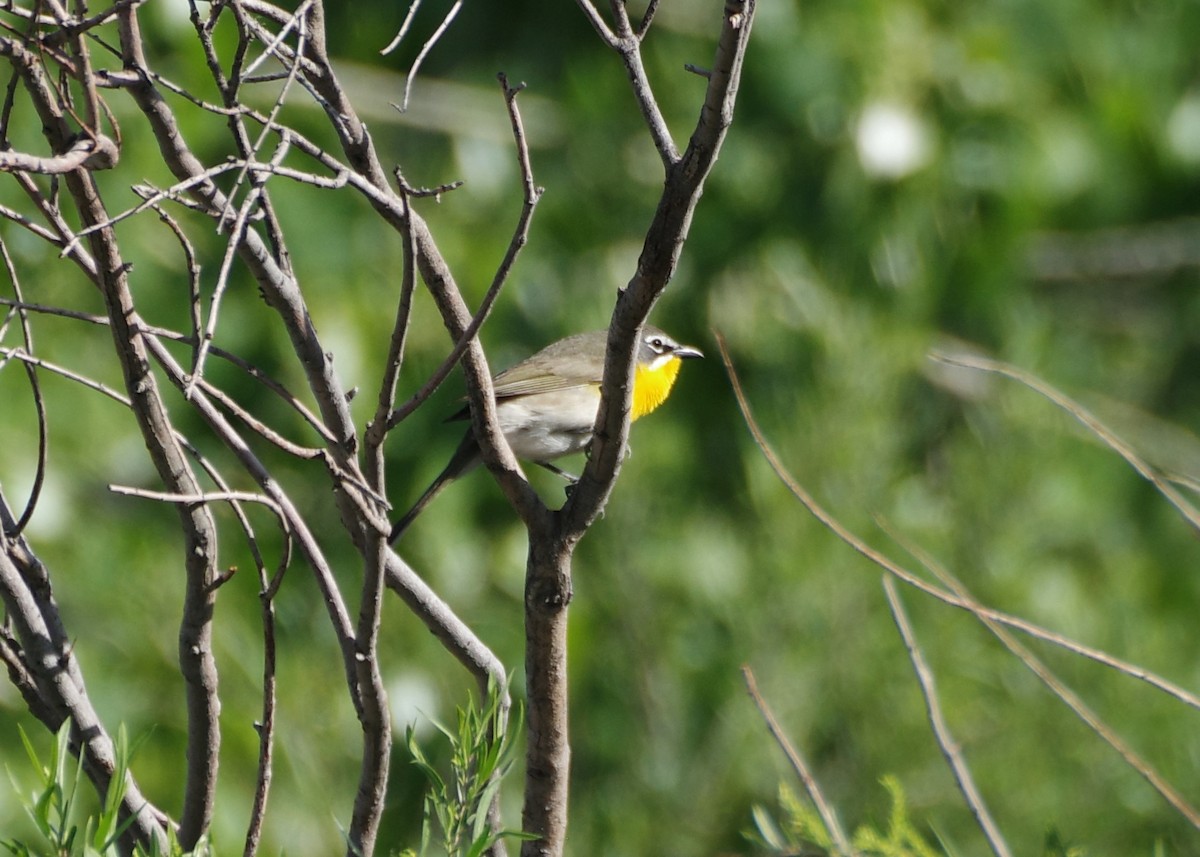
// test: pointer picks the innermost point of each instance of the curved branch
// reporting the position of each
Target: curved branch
(656, 265)
(552, 539)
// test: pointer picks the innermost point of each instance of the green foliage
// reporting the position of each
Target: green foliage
(802, 832)
(483, 747)
(1056, 847)
(53, 806)
(901, 839)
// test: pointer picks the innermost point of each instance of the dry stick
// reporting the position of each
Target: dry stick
(266, 726)
(374, 715)
(941, 730)
(1076, 704)
(272, 47)
(627, 43)
(250, 151)
(150, 198)
(449, 629)
(202, 497)
(235, 239)
(248, 368)
(48, 655)
(992, 618)
(424, 52)
(377, 429)
(193, 269)
(552, 539)
(37, 229)
(283, 294)
(858, 545)
(85, 150)
(153, 421)
(467, 337)
(647, 19)
(1095, 426)
(87, 80)
(17, 354)
(39, 403)
(493, 446)
(1072, 700)
(841, 842)
(404, 27)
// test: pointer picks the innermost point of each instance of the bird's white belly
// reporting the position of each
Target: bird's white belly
(546, 426)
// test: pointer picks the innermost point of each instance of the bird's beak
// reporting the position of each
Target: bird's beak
(686, 351)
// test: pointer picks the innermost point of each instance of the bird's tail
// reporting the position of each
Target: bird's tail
(464, 458)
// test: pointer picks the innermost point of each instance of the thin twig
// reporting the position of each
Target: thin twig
(1089, 421)
(250, 369)
(99, 153)
(993, 621)
(203, 497)
(647, 19)
(941, 730)
(832, 524)
(39, 402)
(597, 21)
(404, 27)
(237, 232)
(1069, 697)
(425, 49)
(18, 354)
(841, 842)
(379, 426)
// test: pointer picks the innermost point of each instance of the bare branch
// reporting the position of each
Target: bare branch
(993, 620)
(237, 234)
(94, 154)
(552, 538)
(404, 27)
(941, 731)
(49, 662)
(1094, 425)
(204, 497)
(598, 23)
(647, 19)
(250, 369)
(628, 45)
(841, 842)
(379, 426)
(656, 265)
(835, 526)
(35, 387)
(425, 49)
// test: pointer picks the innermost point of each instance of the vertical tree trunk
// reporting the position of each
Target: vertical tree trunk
(548, 756)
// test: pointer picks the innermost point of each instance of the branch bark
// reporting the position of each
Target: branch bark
(553, 537)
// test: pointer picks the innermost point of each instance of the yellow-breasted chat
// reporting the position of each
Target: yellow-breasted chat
(546, 405)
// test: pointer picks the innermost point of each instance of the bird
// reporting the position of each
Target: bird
(546, 405)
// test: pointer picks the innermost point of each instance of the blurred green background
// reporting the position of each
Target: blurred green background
(1016, 177)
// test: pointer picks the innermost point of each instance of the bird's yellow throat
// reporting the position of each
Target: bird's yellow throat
(651, 384)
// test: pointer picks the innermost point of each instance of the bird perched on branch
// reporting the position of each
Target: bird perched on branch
(546, 405)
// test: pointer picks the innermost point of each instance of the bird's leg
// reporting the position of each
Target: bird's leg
(558, 470)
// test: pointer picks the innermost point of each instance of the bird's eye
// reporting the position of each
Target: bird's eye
(657, 344)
